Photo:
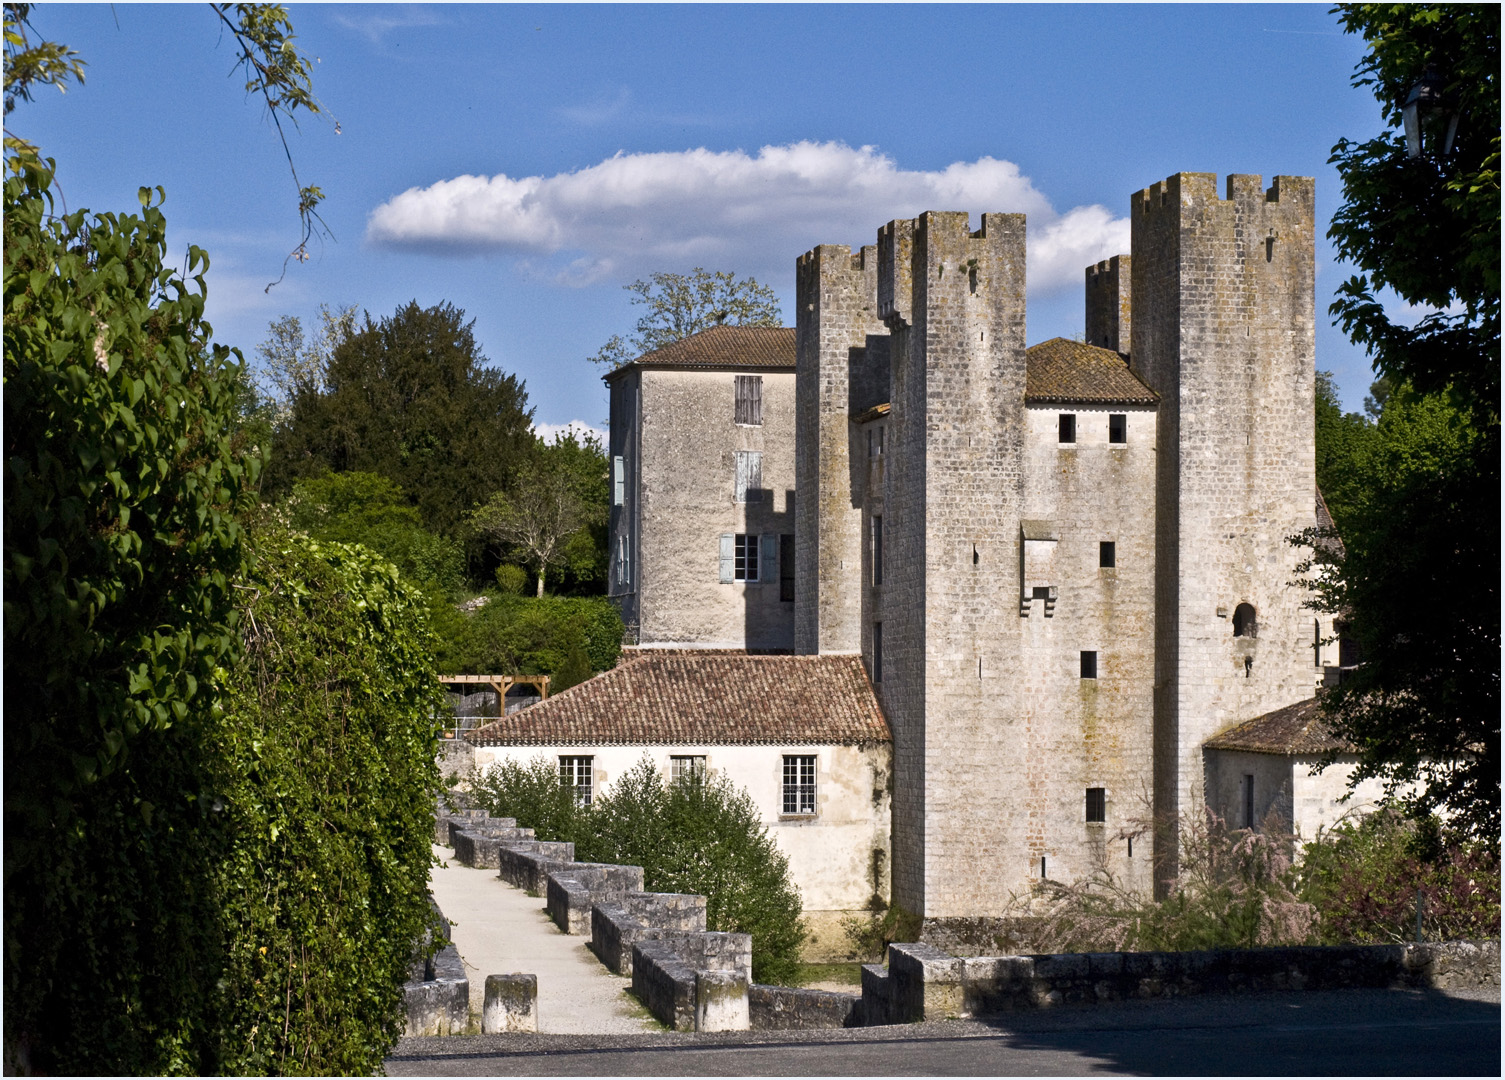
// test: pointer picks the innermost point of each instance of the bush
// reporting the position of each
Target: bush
(697, 834)
(1364, 877)
(516, 635)
(331, 736)
(511, 580)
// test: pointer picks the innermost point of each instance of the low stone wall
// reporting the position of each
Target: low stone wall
(444, 818)
(511, 1004)
(617, 925)
(527, 864)
(665, 984)
(877, 997)
(480, 845)
(785, 1008)
(436, 998)
(924, 983)
(573, 891)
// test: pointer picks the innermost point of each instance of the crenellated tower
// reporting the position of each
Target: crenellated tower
(1224, 331)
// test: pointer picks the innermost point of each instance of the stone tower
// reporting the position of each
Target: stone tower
(1108, 309)
(954, 302)
(1223, 329)
(837, 373)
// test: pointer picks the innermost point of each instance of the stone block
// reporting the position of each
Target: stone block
(721, 1001)
(511, 1004)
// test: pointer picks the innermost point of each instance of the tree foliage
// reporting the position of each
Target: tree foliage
(553, 518)
(1344, 442)
(291, 365)
(122, 481)
(411, 398)
(1418, 583)
(1427, 228)
(330, 733)
(683, 304)
(696, 834)
(528, 636)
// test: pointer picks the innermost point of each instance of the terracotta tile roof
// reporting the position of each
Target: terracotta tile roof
(1298, 729)
(1333, 543)
(725, 346)
(716, 699)
(1071, 371)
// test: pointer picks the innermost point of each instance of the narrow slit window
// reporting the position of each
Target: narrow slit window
(1066, 428)
(1118, 428)
(877, 549)
(877, 652)
(1107, 554)
(786, 568)
(1097, 804)
(1089, 664)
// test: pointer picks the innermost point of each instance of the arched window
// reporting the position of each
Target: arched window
(1243, 621)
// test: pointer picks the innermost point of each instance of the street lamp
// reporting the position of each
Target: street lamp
(1427, 103)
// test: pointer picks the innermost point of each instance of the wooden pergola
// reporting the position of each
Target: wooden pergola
(500, 683)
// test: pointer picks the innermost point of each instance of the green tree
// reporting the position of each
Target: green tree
(1343, 442)
(523, 635)
(123, 479)
(1419, 583)
(553, 518)
(411, 398)
(683, 304)
(290, 365)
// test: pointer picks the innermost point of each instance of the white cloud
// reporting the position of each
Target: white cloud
(578, 428)
(633, 214)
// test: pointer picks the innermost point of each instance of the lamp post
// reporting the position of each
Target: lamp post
(1427, 103)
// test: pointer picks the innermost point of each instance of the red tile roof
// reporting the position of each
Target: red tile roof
(725, 347)
(1060, 370)
(716, 699)
(1298, 729)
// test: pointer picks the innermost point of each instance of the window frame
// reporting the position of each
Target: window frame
(1096, 809)
(578, 772)
(678, 766)
(1120, 422)
(1066, 429)
(798, 785)
(1107, 555)
(1089, 665)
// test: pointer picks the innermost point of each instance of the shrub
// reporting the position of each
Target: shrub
(1364, 876)
(698, 834)
(511, 580)
(331, 736)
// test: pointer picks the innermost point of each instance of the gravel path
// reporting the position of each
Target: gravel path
(500, 929)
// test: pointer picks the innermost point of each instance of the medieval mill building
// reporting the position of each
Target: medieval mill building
(962, 613)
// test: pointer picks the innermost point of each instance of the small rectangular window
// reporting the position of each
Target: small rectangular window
(683, 765)
(786, 568)
(578, 773)
(875, 442)
(799, 784)
(1118, 428)
(1248, 800)
(749, 400)
(1097, 804)
(1316, 643)
(749, 480)
(1089, 665)
(745, 557)
(877, 652)
(877, 549)
(1067, 428)
(618, 481)
(1107, 554)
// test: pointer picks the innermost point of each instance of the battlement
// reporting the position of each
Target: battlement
(1108, 304)
(896, 273)
(1195, 189)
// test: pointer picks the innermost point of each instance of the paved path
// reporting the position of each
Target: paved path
(1341, 1032)
(500, 929)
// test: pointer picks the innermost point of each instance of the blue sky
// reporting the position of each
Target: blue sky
(524, 162)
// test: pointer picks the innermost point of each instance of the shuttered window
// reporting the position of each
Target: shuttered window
(740, 557)
(749, 406)
(749, 477)
(618, 481)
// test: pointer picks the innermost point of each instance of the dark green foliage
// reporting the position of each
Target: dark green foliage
(1417, 584)
(698, 834)
(331, 733)
(411, 398)
(515, 635)
(575, 670)
(1427, 227)
(370, 510)
(1344, 442)
(122, 479)
(1363, 876)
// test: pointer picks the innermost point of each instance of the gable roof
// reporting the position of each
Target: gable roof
(1298, 729)
(1060, 370)
(704, 699)
(724, 347)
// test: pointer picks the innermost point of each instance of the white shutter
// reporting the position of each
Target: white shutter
(768, 557)
(755, 471)
(728, 558)
(741, 481)
(618, 481)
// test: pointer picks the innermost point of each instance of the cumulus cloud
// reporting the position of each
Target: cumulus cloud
(752, 213)
(578, 428)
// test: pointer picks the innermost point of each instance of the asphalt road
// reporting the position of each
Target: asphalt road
(1321, 1033)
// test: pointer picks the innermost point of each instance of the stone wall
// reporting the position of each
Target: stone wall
(924, 983)
(436, 997)
(574, 890)
(1108, 304)
(785, 1008)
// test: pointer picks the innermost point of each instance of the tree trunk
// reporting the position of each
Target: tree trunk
(540, 584)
